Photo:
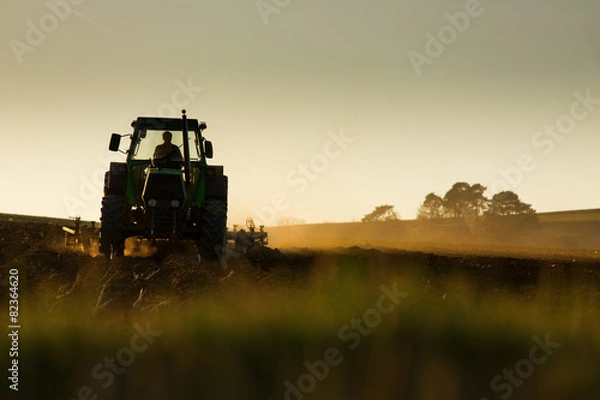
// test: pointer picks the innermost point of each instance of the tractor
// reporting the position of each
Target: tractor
(165, 190)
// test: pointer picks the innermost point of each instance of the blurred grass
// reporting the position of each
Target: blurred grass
(456, 330)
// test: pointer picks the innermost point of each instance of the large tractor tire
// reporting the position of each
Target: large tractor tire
(112, 239)
(213, 229)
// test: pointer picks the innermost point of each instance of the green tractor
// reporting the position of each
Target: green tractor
(165, 190)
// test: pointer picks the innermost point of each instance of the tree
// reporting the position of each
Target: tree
(479, 202)
(381, 213)
(432, 207)
(464, 200)
(508, 216)
(508, 203)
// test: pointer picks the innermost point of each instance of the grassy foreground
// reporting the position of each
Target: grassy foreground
(346, 324)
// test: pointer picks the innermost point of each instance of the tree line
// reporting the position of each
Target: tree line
(464, 200)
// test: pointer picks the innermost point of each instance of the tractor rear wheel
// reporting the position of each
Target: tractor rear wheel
(213, 229)
(112, 239)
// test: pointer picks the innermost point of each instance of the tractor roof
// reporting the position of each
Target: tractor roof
(174, 124)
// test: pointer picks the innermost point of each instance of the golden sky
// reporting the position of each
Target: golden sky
(320, 110)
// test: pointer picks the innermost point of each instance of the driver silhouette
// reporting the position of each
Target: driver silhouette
(167, 150)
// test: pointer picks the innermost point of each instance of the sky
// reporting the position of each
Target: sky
(319, 110)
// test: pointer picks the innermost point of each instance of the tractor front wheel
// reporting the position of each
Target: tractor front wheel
(213, 229)
(112, 239)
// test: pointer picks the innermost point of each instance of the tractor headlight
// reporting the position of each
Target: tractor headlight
(151, 203)
(175, 203)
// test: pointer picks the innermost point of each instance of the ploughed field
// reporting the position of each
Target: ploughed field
(300, 323)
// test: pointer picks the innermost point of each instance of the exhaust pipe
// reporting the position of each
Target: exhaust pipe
(187, 168)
